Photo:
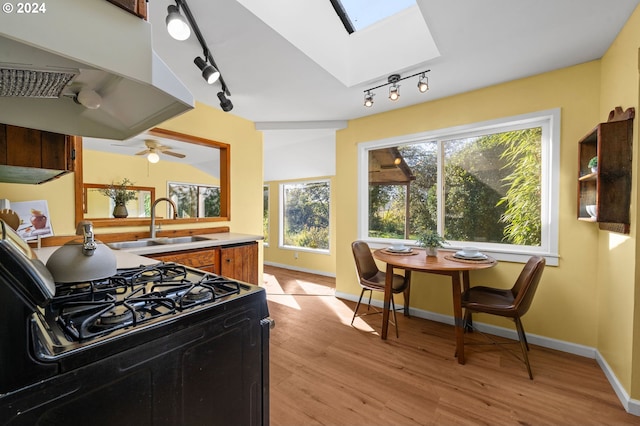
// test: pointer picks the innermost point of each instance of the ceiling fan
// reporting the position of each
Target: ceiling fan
(154, 147)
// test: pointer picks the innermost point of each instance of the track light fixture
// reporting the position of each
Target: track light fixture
(210, 70)
(225, 103)
(176, 24)
(368, 99)
(423, 83)
(394, 90)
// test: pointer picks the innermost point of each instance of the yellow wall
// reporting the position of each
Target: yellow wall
(306, 260)
(566, 292)
(618, 289)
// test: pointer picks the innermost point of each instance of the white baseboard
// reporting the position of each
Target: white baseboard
(295, 268)
(632, 406)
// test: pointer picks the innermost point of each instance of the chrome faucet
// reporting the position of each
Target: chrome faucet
(153, 213)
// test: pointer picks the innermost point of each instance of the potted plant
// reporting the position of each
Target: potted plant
(120, 194)
(431, 241)
(593, 164)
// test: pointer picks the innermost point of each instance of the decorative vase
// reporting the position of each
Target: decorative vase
(594, 169)
(432, 251)
(120, 211)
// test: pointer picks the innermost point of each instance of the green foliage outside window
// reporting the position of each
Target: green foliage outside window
(491, 190)
(306, 215)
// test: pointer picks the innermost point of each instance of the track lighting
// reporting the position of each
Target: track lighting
(394, 90)
(176, 24)
(209, 72)
(225, 103)
(423, 83)
(368, 99)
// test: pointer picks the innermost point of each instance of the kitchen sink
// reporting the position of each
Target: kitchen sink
(181, 240)
(132, 244)
(156, 242)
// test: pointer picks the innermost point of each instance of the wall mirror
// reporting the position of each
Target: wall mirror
(98, 205)
(153, 162)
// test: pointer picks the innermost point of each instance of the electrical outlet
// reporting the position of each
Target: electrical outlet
(295, 255)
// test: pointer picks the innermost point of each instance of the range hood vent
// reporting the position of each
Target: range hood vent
(33, 84)
(92, 47)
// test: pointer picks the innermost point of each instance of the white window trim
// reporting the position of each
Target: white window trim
(549, 120)
(267, 188)
(281, 244)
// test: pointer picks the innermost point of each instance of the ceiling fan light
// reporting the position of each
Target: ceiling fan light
(153, 157)
(177, 25)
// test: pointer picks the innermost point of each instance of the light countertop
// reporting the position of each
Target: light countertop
(133, 257)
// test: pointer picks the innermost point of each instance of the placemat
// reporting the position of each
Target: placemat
(393, 253)
(455, 259)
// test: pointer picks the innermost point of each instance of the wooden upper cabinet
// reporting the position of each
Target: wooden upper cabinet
(608, 188)
(137, 7)
(34, 156)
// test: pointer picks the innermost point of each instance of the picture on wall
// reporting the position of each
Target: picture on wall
(34, 219)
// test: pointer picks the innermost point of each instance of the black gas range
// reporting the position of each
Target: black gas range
(161, 344)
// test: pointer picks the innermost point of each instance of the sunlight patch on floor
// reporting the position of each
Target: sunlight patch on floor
(345, 313)
(276, 294)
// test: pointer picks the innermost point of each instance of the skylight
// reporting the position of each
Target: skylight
(359, 14)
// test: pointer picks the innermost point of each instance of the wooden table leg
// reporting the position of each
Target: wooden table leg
(407, 292)
(388, 281)
(468, 325)
(457, 315)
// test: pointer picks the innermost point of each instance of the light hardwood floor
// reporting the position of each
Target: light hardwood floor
(326, 372)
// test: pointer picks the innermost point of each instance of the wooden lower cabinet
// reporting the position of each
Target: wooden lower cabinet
(204, 259)
(238, 262)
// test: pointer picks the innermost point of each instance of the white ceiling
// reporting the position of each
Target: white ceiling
(310, 75)
(293, 70)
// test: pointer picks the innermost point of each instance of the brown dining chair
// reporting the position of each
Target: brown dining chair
(511, 303)
(372, 279)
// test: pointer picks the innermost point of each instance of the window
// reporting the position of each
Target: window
(195, 200)
(265, 214)
(492, 185)
(358, 14)
(304, 208)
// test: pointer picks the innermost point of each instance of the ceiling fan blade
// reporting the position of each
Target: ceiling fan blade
(174, 154)
(146, 151)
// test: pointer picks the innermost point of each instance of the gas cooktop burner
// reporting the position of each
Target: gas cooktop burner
(134, 296)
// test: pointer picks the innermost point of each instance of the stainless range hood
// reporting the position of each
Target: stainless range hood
(46, 59)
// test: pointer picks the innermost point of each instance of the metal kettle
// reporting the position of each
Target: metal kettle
(82, 259)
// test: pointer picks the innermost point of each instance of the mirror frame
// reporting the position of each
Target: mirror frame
(225, 184)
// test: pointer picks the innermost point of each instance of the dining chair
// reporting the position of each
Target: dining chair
(511, 303)
(373, 279)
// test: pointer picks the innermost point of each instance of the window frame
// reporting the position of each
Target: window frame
(198, 186)
(266, 191)
(281, 215)
(549, 120)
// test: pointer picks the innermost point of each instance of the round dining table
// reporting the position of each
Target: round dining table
(443, 264)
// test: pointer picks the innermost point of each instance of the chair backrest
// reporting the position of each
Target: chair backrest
(365, 265)
(527, 283)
